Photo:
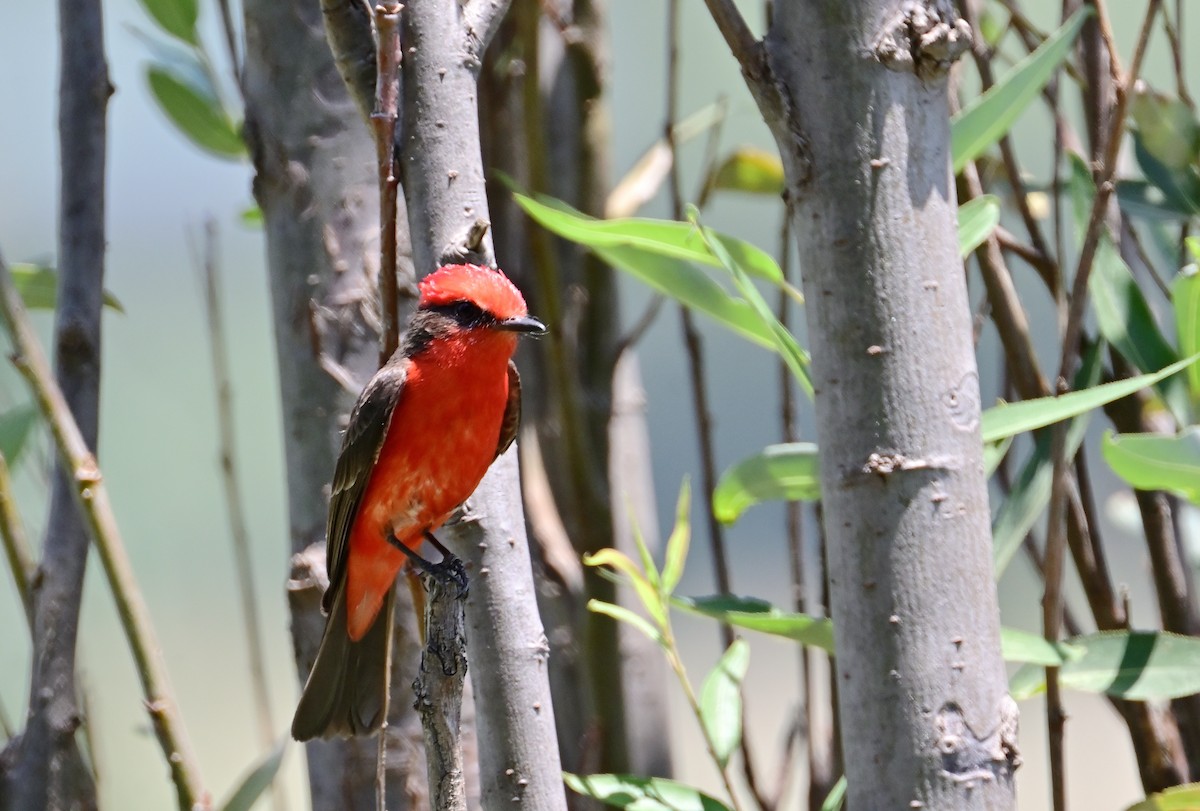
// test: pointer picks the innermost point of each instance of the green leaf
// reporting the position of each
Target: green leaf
(1023, 646)
(691, 287)
(678, 543)
(1028, 415)
(196, 113)
(836, 798)
(642, 793)
(1185, 298)
(1175, 798)
(622, 614)
(16, 425)
(721, 701)
(789, 349)
(976, 221)
(38, 286)
(1157, 462)
(1180, 187)
(176, 17)
(660, 237)
(1031, 491)
(1139, 198)
(1167, 127)
(746, 169)
(1137, 665)
(257, 781)
(620, 562)
(761, 616)
(993, 454)
(985, 120)
(784, 472)
(252, 216)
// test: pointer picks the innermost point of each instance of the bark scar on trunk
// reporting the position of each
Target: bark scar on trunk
(969, 758)
(924, 38)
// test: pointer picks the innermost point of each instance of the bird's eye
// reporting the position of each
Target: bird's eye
(467, 313)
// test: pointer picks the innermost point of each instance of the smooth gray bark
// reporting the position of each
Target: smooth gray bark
(43, 768)
(855, 94)
(316, 185)
(442, 174)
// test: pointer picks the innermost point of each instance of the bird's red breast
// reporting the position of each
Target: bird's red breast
(440, 441)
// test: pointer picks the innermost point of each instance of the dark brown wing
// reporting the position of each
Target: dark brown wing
(512, 411)
(360, 448)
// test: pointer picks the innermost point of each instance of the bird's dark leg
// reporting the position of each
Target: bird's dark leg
(448, 570)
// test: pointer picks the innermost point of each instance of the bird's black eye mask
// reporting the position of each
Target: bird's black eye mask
(466, 314)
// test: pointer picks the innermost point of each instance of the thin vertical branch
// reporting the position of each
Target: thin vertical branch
(91, 496)
(239, 537)
(16, 542)
(1056, 539)
(383, 124)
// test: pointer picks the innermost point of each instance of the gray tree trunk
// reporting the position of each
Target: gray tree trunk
(442, 173)
(855, 94)
(316, 184)
(42, 768)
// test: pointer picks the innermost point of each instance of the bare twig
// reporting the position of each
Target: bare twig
(1056, 538)
(383, 123)
(92, 500)
(16, 543)
(243, 564)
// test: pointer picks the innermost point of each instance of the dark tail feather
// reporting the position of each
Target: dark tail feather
(346, 692)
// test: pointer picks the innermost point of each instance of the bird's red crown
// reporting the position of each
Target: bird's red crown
(487, 287)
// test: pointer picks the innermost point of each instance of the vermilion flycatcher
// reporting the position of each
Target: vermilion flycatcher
(420, 438)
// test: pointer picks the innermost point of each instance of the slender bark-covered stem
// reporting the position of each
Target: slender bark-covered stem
(1056, 540)
(238, 536)
(439, 690)
(90, 496)
(45, 769)
(383, 124)
(16, 543)
(442, 169)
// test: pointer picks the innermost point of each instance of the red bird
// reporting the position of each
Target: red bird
(421, 436)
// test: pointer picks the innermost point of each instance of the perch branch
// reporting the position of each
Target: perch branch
(16, 542)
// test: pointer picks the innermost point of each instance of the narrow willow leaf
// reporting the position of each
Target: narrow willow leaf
(1030, 492)
(746, 169)
(692, 288)
(1025, 647)
(986, 119)
(721, 701)
(836, 798)
(1175, 798)
(642, 793)
(661, 237)
(176, 17)
(761, 616)
(1137, 665)
(1028, 415)
(1139, 198)
(16, 426)
(1185, 298)
(257, 781)
(793, 355)
(678, 543)
(620, 562)
(623, 614)
(38, 286)
(976, 221)
(993, 454)
(1180, 187)
(784, 472)
(196, 113)
(1167, 127)
(1157, 462)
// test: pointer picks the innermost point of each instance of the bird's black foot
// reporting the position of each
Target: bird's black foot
(448, 570)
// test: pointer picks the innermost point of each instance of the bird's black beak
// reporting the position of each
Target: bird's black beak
(525, 323)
